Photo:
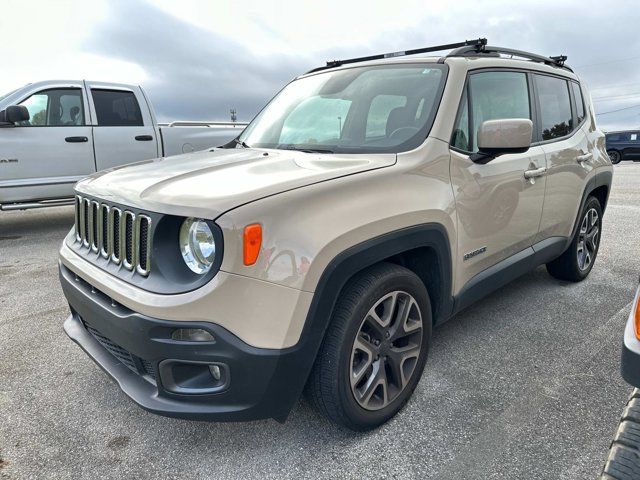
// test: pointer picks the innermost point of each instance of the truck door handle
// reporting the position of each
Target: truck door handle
(76, 139)
(585, 157)
(144, 138)
(538, 172)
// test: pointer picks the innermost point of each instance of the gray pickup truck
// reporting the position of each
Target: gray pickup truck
(54, 133)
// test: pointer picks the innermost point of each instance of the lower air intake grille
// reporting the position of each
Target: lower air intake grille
(134, 363)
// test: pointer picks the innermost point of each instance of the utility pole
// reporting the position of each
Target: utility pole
(234, 117)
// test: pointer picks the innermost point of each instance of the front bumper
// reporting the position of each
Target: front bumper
(630, 366)
(260, 383)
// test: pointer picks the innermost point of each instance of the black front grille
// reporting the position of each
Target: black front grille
(134, 363)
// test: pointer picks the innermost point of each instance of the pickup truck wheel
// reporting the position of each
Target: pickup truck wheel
(375, 348)
(614, 156)
(577, 261)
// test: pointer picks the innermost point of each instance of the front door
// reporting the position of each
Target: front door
(46, 155)
(123, 127)
(498, 209)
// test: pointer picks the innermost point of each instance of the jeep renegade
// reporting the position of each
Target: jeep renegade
(370, 200)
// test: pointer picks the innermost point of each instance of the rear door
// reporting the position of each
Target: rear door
(51, 151)
(123, 129)
(561, 119)
(498, 209)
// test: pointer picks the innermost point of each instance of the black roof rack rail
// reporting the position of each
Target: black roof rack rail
(473, 45)
(464, 51)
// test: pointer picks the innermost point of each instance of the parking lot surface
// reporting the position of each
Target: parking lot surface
(523, 384)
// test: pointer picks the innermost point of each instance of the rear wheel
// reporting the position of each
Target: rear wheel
(614, 156)
(577, 261)
(374, 350)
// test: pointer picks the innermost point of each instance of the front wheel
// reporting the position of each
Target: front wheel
(374, 350)
(577, 261)
(614, 156)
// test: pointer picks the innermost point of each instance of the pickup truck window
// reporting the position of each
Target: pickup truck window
(116, 108)
(60, 107)
(353, 110)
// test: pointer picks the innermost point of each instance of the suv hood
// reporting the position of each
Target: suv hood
(206, 184)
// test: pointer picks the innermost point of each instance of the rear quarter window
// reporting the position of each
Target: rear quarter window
(556, 119)
(117, 108)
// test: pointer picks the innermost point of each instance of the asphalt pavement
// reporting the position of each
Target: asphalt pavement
(523, 384)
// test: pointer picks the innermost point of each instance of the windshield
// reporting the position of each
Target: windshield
(386, 108)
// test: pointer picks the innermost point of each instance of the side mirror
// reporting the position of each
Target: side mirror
(507, 135)
(14, 114)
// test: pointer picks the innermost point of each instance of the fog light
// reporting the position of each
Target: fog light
(192, 335)
(215, 371)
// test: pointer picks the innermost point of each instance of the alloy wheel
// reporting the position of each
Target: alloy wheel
(588, 238)
(386, 350)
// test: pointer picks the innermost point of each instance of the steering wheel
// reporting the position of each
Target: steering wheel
(409, 129)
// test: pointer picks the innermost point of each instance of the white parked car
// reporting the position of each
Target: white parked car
(54, 133)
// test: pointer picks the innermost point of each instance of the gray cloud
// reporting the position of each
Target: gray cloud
(194, 73)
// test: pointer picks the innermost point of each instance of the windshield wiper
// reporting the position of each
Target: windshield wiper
(241, 143)
(306, 150)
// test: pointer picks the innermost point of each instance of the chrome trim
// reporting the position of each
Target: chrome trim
(77, 201)
(115, 236)
(147, 255)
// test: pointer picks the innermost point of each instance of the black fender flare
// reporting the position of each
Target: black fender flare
(348, 263)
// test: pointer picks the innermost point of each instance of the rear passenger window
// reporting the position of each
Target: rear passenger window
(555, 107)
(577, 94)
(117, 108)
(494, 95)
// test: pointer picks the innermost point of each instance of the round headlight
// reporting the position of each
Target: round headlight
(197, 245)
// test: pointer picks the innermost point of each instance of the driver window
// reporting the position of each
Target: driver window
(55, 108)
(497, 95)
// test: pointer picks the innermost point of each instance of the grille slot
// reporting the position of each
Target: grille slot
(116, 236)
(104, 238)
(129, 219)
(121, 237)
(93, 221)
(85, 218)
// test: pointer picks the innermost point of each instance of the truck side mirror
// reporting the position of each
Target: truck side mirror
(507, 135)
(13, 114)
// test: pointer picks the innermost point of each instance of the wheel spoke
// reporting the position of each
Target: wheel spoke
(368, 354)
(396, 361)
(377, 381)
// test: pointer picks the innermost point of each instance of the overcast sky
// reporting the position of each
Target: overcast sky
(199, 58)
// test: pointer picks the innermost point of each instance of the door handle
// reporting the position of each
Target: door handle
(585, 157)
(538, 172)
(144, 138)
(76, 139)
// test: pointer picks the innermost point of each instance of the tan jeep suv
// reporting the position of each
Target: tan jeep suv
(370, 200)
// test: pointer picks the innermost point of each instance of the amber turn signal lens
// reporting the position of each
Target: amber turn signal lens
(252, 243)
(636, 317)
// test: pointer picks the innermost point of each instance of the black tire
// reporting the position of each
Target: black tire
(567, 266)
(329, 387)
(615, 156)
